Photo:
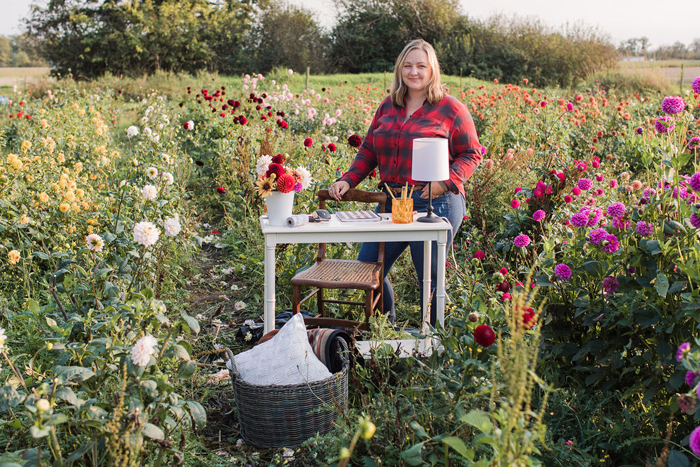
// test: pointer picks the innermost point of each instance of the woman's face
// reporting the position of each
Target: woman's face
(416, 71)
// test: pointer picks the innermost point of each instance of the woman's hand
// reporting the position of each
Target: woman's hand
(338, 189)
(437, 190)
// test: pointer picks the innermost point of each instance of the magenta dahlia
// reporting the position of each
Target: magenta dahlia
(673, 105)
(664, 124)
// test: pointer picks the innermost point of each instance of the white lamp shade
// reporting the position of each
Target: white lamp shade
(431, 160)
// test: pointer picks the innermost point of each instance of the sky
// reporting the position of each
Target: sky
(663, 23)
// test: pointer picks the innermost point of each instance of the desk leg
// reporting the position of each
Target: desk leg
(269, 313)
(427, 257)
(440, 286)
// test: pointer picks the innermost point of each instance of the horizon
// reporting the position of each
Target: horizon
(664, 27)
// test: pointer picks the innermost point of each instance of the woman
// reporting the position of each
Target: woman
(417, 107)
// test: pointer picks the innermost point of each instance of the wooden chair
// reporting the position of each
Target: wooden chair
(343, 274)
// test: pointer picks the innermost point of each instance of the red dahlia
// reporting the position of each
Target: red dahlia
(285, 183)
(332, 147)
(354, 141)
(503, 286)
(529, 318)
(484, 335)
(275, 169)
(278, 159)
(221, 190)
(308, 142)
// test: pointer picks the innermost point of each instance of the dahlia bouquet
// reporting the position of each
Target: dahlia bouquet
(273, 175)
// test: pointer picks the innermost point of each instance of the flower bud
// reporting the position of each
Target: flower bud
(473, 317)
(42, 405)
(344, 453)
(369, 430)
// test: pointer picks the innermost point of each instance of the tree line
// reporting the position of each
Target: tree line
(639, 47)
(89, 38)
(15, 51)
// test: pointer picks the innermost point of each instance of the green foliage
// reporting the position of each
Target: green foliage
(513, 48)
(19, 51)
(87, 39)
(288, 37)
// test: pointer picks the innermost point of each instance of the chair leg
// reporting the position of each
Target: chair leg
(369, 304)
(296, 299)
(319, 298)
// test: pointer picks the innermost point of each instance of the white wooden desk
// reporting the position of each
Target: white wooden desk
(336, 231)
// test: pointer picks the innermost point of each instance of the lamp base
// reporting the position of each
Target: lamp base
(430, 218)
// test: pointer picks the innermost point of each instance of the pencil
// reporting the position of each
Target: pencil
(411, 193)
(390, 193)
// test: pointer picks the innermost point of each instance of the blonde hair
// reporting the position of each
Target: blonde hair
(434, 91)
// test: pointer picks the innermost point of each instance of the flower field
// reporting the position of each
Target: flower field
(130, 255)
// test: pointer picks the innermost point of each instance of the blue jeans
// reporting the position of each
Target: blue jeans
(448, 205)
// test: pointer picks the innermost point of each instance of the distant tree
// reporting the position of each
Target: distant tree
(370, 34)
(366, 37)
(694, 48)
(91, 37)
(667, 52)
(288, 36)
(5, 51)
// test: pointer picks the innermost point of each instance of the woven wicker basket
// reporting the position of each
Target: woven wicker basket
(286, 416)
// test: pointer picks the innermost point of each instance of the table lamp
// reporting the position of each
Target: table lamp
(431, 163)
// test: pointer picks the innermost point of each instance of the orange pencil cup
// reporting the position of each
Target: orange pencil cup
(402, 210)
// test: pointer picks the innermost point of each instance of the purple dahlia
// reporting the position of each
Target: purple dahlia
(695, 221)
(562, 271)
(616, 210)
(610, 284)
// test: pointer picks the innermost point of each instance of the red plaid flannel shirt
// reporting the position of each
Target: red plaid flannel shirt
(389, 143)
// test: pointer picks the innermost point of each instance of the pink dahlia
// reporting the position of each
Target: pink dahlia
(673, 105)
(585, 183)
(610, 244)
(696, 85)
(521, 241)
(664, 124)
(538, 215)
(682, 351)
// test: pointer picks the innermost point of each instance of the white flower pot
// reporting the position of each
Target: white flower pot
(279, 207)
